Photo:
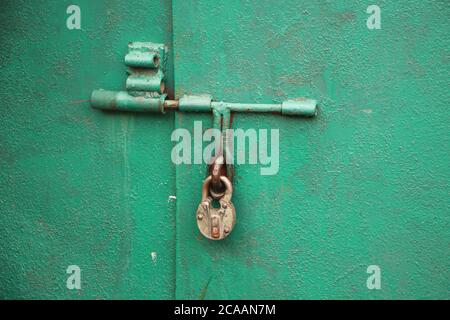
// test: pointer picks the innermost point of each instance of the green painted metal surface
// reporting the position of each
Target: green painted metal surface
(363, 183)
(80, 186)
(123, 101)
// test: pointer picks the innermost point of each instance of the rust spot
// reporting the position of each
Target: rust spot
(215, 233)
(171, 104)
(348, 15)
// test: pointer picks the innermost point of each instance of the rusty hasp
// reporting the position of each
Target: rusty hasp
(217, 170)
(145, 93)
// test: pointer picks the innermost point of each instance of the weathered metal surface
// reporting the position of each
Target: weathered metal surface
(213, 223)
(145, 83)
(216, 223)
(301, 107)
(364, 183)
(80, 187)
(147, 63)
(216, 170)
(145, 55)
(123, 101)
(195, 103)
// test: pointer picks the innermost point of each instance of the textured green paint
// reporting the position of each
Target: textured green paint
(365, 182)
(80, 186)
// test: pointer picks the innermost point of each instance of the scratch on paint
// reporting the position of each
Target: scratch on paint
(171, 198)
(154, 256)
(204, 290)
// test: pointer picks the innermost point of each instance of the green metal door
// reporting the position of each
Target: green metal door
(365, 183)
(80, 187)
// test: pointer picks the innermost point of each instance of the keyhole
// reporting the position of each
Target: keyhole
(215, 204)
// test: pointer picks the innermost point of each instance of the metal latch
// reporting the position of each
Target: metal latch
(145, 93)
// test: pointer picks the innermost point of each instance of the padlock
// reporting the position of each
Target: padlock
(216, 223)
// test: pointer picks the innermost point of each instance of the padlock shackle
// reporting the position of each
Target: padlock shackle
(226, 182)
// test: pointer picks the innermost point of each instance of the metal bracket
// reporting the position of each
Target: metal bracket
(146, 64)
(145, 91)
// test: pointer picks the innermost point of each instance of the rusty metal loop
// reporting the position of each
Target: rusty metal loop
(217, 169)
(207, 182)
